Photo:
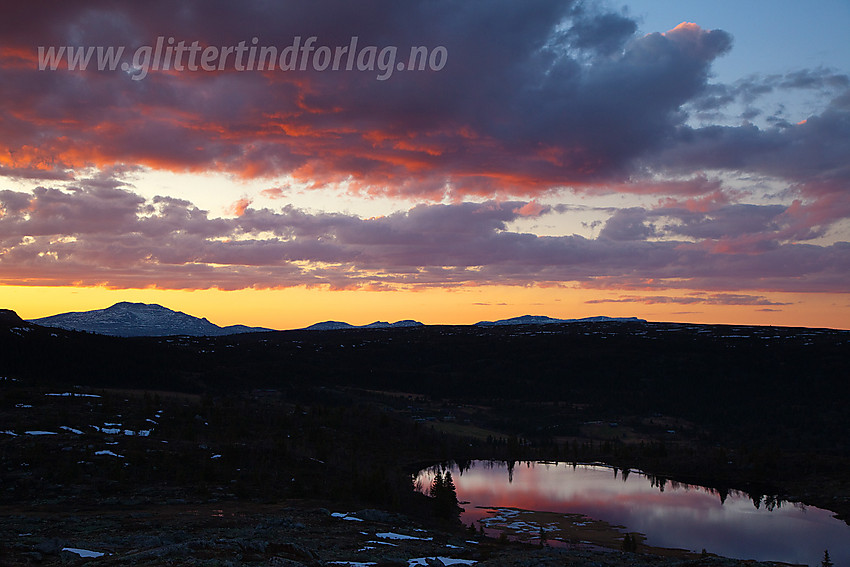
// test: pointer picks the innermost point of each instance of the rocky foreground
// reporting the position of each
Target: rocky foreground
(124, 478)
(299, 474)
(219, 534)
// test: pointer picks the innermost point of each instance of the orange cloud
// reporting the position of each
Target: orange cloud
(273, 193)
(238, 208)
(531, 209)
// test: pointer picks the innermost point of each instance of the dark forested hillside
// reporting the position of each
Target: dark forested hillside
(783, 384)
(347, 415)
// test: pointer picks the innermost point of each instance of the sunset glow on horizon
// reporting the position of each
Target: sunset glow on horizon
(417, 161)
(298, 307)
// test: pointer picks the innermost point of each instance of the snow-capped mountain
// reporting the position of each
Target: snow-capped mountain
(543, 320)
(337, 325)
(140, 320)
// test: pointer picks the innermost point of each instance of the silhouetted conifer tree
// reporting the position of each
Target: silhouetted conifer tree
(444, 494)
(629, 543)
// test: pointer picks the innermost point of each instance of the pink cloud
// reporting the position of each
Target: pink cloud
(113, 237)
(273, 193)
(531, 209)
(238, 208)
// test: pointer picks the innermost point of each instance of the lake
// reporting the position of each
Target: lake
(669, 514)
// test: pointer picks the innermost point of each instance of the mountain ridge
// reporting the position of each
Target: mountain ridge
(545, 320)
(520, 320)
(127, 319)
(341, 325)
(9, 317)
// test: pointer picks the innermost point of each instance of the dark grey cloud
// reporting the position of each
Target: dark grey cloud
(628, 224)
(752, 88)
(534, 94)
(813, 155)
(605, 33)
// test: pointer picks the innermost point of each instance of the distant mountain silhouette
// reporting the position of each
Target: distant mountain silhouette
(9, 318)
(337, 325)
(522, 320)
(544, 320)
(127, 319)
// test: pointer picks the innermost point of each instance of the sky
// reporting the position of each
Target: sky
(279, 164)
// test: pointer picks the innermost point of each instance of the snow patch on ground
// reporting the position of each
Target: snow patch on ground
(392, 535)
(445, 561)
(109, 453)
(39, 432)
(345, 516)
(71, 430)
(83, 552)
(72, 395)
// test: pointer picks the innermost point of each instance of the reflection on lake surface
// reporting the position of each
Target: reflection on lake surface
(669, 514)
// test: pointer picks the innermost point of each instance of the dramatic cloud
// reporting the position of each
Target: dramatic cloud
(532, 95)
(113, 237)
(520, 110)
